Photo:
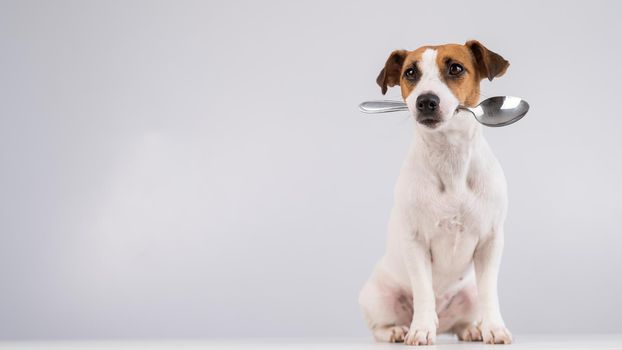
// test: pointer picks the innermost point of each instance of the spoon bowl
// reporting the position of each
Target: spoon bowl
(494, 111)
(500, 110)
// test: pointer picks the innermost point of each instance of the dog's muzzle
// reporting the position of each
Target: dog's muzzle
(428, 110)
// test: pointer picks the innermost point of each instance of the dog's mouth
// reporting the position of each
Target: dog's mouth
(429, 122)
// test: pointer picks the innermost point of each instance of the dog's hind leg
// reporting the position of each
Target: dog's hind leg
(387, 308)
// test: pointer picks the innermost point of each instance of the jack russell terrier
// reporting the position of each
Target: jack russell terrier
(445, 239)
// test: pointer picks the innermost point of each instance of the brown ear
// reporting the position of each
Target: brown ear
(390, 74)
(489, 64)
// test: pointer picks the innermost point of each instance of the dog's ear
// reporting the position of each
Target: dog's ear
(390, 74)
(489, 64)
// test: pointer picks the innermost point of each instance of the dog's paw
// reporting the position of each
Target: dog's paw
(495, 334)
(420, 336)
(470, 333)
(391, 334)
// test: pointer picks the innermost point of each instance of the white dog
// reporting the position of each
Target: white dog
(439, 272)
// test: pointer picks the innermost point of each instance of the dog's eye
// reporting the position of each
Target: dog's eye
(410, 73)
(455, 69)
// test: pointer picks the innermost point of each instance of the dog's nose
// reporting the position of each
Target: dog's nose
(427, 103)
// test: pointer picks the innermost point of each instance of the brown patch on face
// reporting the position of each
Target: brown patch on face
(465, 85)
(475, 60)
(411, 62)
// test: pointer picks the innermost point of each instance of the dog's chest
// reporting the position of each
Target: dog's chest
(452, 221)
(454, 211)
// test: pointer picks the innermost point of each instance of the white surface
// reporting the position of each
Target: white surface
(560, 342)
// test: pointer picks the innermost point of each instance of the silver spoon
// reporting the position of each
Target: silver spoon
(493, 111)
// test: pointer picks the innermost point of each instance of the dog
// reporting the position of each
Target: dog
(445, 232)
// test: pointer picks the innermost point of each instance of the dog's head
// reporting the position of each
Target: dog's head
(435, 80)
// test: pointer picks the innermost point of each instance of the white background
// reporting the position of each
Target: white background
(200, 169)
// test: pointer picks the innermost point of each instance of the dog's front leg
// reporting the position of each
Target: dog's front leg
(487, 259)
(416, 254)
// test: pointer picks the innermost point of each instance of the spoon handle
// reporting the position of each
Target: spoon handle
(386, 106)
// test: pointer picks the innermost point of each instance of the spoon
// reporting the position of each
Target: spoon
(493, 111)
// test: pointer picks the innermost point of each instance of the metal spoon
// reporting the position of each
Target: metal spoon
(493, 111)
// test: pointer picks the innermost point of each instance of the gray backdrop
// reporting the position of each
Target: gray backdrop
(200, 169)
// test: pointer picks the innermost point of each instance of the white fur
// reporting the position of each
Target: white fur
(445, 229)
